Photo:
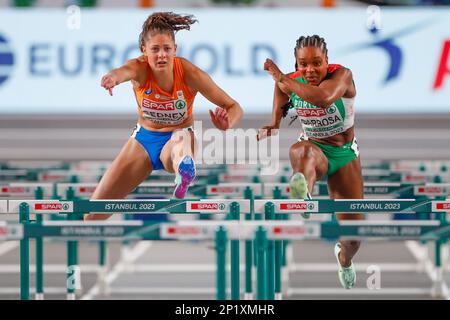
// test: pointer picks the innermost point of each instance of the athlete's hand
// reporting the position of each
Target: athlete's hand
(220, 118)
(109, 81)
(273, 70)
(267, 131)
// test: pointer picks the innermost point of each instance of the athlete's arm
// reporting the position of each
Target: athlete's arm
(279, 100)
(321, 96)
(229, 112)
(131, 70)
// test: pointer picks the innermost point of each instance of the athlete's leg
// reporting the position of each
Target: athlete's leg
(308, 159)
(347, 183)
(128, 170)
(178, 156)
(181, 144)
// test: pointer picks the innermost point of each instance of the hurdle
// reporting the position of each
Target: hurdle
(84, 189)
(431, 230)
(87, 188)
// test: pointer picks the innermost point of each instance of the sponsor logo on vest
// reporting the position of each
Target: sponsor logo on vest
(311, 112)
(180, 104)
(331, 110)
(159, 106)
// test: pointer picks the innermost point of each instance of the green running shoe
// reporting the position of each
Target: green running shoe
(299, 189)
(347, 276)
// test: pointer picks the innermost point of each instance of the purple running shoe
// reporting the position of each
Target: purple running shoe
(186, 174)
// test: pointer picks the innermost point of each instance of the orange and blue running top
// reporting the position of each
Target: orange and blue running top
(166, 108)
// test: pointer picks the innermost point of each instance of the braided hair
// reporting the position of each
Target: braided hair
(310, 41)
(165, 22)
(302, 42)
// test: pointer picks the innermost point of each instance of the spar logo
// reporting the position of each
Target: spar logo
(208, 206)
(51, 206)
(293, 206)
(289, 230)
(87, 189)
(227, 177)
(297, 206)
(180, 104)
(159, 106)
(430, 190)
(184, 230)
(13, 190)
(443, 206)
(222, 190)
(331, 110)
(6, 59)
(317, 112)
(414, 178)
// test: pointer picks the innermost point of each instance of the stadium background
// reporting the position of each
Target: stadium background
(53, 108)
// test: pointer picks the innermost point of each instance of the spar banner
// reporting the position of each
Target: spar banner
(53, 60)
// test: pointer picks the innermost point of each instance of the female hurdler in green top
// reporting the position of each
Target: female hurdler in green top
(322, 96)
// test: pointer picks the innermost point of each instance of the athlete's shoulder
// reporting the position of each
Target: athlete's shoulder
(332, 67)
(338, 71)
(138, 62)
(187, 66)
(294, 75)
(338, 68)
(139, 68)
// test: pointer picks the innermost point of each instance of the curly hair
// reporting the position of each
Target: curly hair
(165, 22)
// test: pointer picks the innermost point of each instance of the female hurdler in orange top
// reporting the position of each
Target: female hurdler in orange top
(165, 87)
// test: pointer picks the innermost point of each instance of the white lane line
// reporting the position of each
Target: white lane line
(8, 246)
(119, 268)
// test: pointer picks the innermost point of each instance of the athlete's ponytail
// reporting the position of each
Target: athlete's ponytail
(165, 22)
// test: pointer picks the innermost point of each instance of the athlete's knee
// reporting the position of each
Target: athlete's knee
(351, 244)
(303, 151)
(181, 136)
(302, 157)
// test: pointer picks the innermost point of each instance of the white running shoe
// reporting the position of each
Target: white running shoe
(347, 276)
(298, 187)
